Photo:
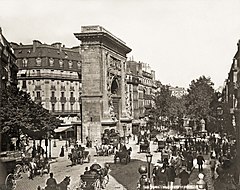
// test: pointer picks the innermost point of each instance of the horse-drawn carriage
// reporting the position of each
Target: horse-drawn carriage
(161, 145)
(144, 146)
(123, 154)
(95, 179)
(104, 150)
(79, 155)
(12, 164)
(38, 166)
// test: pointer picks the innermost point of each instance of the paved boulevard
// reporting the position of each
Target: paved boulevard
(62, 167)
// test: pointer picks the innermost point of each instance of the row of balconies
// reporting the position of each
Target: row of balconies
(50, 76)
(62, 88)
(61, 99)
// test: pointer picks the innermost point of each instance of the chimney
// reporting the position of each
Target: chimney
(58, 45)
(36, 44)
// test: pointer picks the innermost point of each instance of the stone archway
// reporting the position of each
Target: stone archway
(103, 80)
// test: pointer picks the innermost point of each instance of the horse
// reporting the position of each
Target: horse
(73, 156)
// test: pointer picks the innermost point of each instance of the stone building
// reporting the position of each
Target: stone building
(177, 91)
(8, 77)
(103, 82)
(8, 68)
(52, 75)
(141, 89)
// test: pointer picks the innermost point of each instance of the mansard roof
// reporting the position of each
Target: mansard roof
(44, 50)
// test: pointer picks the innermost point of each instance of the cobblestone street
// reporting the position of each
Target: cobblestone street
(62, 167)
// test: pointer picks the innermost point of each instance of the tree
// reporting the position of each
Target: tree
(199, 99)
(20, 114)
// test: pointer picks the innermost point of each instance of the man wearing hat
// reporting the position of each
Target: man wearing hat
(159, 174)
(184, 177)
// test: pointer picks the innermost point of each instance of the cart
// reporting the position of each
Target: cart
(94, 179)
(161, 145)
(79, 156)
(9, 174)
(144, 146)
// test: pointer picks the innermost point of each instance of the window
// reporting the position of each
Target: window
(51, 62)
(38, 61)
(70, 64)
(53, 107)
(61, 63)
(62, 107)
(62, 93)
(71, 95)
(25, 62)
(79, 65)
(71, 107)
(24, 84)
(38, 72)
(38, 94)
(53, 94)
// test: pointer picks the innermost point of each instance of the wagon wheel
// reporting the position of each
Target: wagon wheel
(97, 185)
(25, 168)
(10, 182)
(105, 181)
(89, 159)
(18, 172)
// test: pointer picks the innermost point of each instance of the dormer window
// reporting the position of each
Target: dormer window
(79, 65)
(70, 64)
(61, 63)
(38, 61)
(51, 62)
(25, 62)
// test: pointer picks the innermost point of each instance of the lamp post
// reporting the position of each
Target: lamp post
(124, 133)
(201, 184)
(50, 146)
(149, 160)
(219, 114)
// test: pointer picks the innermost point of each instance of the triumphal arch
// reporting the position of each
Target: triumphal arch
(103, 82)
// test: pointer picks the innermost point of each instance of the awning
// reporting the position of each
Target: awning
(63, 129)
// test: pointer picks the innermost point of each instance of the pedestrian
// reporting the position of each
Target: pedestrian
(189, 161)
(160, 175)
(34, 151)
(200, 161)
(213, 166)
(51, 183)
(184, 177)
(171, 174)
(62, 152)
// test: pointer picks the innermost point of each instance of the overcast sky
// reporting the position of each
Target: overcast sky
(180, 39)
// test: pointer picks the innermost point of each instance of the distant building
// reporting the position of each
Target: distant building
(141, 88)
(52, 76)
(177, 91)
(8, 68)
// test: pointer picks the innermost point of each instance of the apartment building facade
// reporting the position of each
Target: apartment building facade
(141, 88)
(52, 76)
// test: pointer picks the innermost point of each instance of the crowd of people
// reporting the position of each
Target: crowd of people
(183, 154)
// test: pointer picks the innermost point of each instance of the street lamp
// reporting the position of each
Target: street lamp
(124, 133)
(220, 113)
(201, 184)
(149, 160)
